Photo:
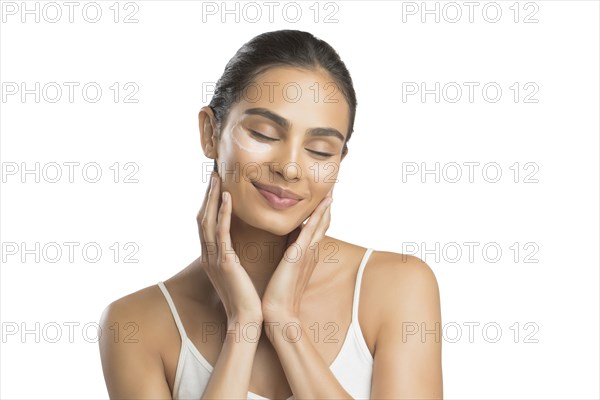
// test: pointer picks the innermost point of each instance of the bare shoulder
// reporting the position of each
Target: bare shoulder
(390, 272)
(389, 275)
(148, 311)
(135, 312)
(400, 287)
(130, 345)
(407, 359)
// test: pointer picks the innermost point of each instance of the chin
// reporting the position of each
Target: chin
(259, 213)
(280, 226)
(271, 221)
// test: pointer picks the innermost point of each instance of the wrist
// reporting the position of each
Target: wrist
(284, 326)
(243, 331)
(245, 317)
(279, 314)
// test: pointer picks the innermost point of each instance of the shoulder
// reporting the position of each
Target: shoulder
(148, 307)
(131, 322)
(408, 340)
(402, 287)
(139, 306)
(390, 272)
(130, 344)
(389, 276)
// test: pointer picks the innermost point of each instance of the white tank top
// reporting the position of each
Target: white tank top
(353, 366)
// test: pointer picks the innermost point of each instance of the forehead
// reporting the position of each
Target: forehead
(307, 98)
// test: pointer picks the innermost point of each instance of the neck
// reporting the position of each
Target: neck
(258, 251)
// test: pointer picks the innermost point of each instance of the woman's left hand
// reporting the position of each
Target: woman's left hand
(284, 291)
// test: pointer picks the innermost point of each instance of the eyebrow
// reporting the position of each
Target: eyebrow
(284, 123)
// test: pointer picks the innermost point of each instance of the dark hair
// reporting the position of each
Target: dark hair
(280, 48)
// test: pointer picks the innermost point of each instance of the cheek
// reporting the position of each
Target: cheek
(324, 174)
(238, 150)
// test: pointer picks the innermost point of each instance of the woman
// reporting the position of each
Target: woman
(271, 308)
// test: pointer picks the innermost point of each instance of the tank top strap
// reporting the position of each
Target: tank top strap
(359, 275)
(178, 322)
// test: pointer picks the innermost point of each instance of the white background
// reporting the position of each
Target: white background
(170, 52)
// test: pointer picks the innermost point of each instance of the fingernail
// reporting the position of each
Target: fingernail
(213, 179)
(224, 197)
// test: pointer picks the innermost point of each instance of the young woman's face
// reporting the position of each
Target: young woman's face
(286, 131)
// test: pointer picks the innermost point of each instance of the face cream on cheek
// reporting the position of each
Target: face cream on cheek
(246, 143)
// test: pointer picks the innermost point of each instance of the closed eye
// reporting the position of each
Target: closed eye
(264, 137)
(321, 154)
(261, 136)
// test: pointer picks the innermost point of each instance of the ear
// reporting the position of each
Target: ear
(208, 132)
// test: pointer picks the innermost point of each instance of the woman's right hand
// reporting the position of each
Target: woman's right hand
(229, 278)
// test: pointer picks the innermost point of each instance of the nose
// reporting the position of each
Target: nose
(286, 163)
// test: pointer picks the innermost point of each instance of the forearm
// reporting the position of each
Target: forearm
(308, 375)
(231, 374)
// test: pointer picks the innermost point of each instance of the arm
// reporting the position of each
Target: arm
(308, 375)
(231, 374)
(230, 378)
(132, 369)
(305, 370)
(407, 362)
(405, 367)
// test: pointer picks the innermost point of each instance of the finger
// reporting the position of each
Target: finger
(322, 226)
(223, 235)
(317, 214)
(308, 230)
(200, 216)
(204, 201)
(317, 209)
(209, 219)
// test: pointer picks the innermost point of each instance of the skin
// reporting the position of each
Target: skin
(264, 288)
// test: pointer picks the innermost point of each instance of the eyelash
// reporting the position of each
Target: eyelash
(261, 136)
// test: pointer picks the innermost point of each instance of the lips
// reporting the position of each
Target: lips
(277, 197)
(278, 191)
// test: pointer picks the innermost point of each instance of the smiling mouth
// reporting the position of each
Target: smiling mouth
(279, 203)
